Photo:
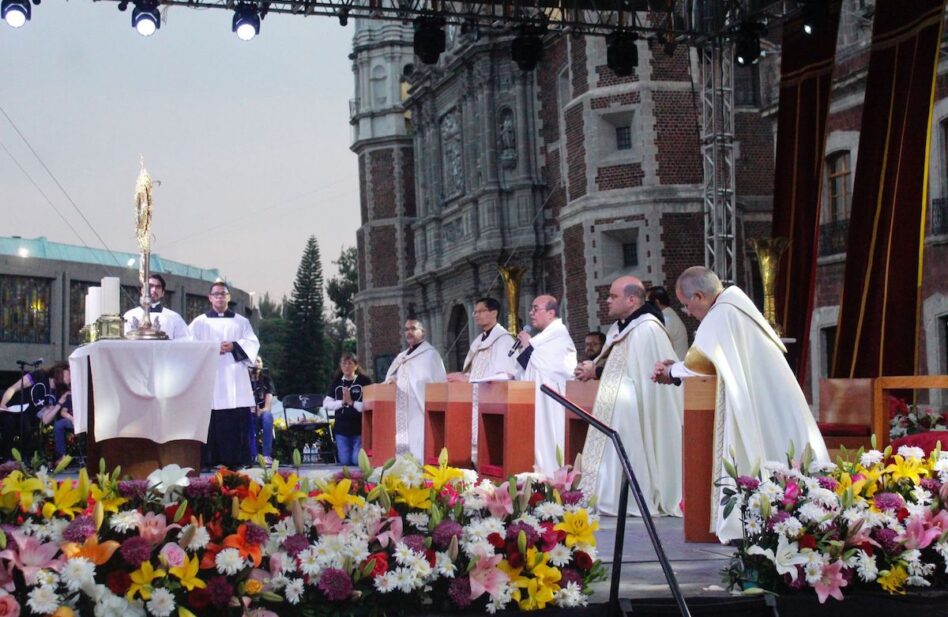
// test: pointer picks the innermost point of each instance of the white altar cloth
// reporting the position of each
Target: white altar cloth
(157, 390)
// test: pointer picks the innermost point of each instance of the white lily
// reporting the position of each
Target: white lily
(786, 558)
(169, 477)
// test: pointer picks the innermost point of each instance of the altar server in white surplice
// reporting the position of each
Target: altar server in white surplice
(646, 415)
(762, 410)
(489, 356)
(418, 365)
(547, 358)
(162, 317)
(227, 440)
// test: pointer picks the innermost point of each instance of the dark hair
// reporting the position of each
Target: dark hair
(658, 293)
(56, 372)
(348, 355)
(158, 278)
(489, 303)
(217, 284)
(599, 335)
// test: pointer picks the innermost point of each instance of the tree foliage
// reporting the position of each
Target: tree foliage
(307, 363)
(341, 289)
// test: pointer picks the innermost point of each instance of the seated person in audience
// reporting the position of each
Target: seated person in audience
(36, 390)
(60, 416)
(262, 417)
(345, 399)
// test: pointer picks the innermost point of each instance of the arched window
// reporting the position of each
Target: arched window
(838, 187)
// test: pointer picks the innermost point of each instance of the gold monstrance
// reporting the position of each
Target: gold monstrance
(143, 206)
(512, 276)
(768, 252)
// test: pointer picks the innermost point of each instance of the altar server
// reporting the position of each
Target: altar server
(227, 438)
(162, 317)
(418, 365)
(547, 358)
(646, 415)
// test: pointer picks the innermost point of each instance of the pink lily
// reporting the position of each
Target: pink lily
(393, 534)
(918, 534)
(6, 578)
(831, 581)
(498, 500)
(790, 494)
(325, 522)
(485, 577)
(153, 527)
(31, 556)
(563, 478)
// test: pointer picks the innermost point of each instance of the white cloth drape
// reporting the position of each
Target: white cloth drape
(411, 372)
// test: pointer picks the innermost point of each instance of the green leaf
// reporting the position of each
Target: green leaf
(730, 469)
(182, 507)
(17, 456)
(729, 508)
(297, 458)
(443, 458)
(365, 465)
(3, 540)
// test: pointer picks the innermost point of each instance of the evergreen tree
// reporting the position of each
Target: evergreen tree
(342, 288)
(268, 308)
(307, 368)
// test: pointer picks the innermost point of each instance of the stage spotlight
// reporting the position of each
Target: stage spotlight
(343, 15)
(747, 43)
(814, 16)
(15, 12)
(622, 55)
(145, 17)
(429, 41)
(123, 6)
(527, 49)
(246, 21)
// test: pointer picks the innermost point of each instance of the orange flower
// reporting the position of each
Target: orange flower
(246, 549)
(210, 554)
(91, 550)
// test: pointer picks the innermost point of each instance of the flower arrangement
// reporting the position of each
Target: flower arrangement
(267, 542)
(880, 521)
(905, 419)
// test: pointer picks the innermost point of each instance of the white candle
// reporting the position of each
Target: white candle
(94, 304)
(110, 295)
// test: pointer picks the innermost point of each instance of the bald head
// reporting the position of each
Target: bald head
(626, 295)
(544, 310)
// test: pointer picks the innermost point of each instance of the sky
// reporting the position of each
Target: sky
(248, 139)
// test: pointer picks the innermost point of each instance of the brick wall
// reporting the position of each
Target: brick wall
(360, 333)
(385, 330)
(682, 247)
(382, 169)
(554, 183)
(408, 182)
(576, 151)
(384, 256)
(934, 281)
(574, 267)
(607, 77)
(363, 197)
(829, 284)
(619, 176)
(602, 309)
(755, 167)
(360, 248)
(626, 98)
(553, 276)
(670, 68)
(578, 66)
(676, 124)
(547, 72)
(846, 120)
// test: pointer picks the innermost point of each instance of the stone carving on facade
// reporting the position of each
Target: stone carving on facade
(508, 139)
(452, 155)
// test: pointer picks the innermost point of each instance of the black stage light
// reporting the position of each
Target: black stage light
(246, 22)
(123, 5)
(15, 12)
(527, 48)
(747, 43)
(429, 41)
(343, 15)
(622, 55)
(145, 17)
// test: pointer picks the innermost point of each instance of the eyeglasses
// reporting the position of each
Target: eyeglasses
(220, 294)
(535, 308)
(479, 311)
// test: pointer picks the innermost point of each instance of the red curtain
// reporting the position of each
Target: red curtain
(877, 332)
(805, 80)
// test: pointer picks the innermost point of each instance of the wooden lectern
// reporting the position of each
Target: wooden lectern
(505, 428)
(583, 393)
(697, 457)
(378, 422)
(448, 423)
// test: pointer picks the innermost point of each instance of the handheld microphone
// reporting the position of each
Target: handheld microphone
(516, 345)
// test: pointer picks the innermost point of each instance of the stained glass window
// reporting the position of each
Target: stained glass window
(195, 305)
(24, 309)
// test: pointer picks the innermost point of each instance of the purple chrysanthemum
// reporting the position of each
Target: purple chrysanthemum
(515, 528)
(887, 539)
(9, 467)
(135, 550)
(932, 485)
(748, 483)
(415, 542)
(570, 575)
(571, 498)
(888, 501)
(220, 591)
(255, 534)
(460, 591)
(445, 531)
(79, 529)
(296, 544)
(828, 483)
(201, 487)
(132, 489)
(335, 584)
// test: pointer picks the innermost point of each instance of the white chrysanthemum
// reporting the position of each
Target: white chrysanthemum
(474, 504)
(753, 525)
(916, 509)
(444, 566)
(282, 529)
(811, 513)
(124, 521)
(790, 527)
(813, 571)
(77, 572)
(502, 598)
(294, 590)
(908, 452)
(825, 498)
(403, 554)
(309, 561)
(478, 547)
(531, 520)
(917, 581)
(771, 490)
(549, 511)
(43, 600)
(870, 458)
(772, 467)
(942, 549)
(162, 603)
(421, 568)
(571, 596)
(811, 484)
(469, 476)
(52, 531)
(914, 564)
(199, 538)
(866, 566)
(404, 579)
(229, 562)
(560, 555)
(753, 504)
(819, 466)
(418, 520)
(921, 496)
(385, 583)
(47, 578)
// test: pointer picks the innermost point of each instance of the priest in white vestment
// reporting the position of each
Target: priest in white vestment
(418, 365)
(227, 440)
(646, 415)
(762, 411)
(490, 356)
(677, 331)
(547, 358)
(162, 317)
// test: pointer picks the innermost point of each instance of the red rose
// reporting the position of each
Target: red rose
(497, 541)
(380, 566)
(199, 599)
(515, 559)
(808, 541)
(903, 514)
(431, 557)
(536, 498)
(173, 508)
(583, 561)
(118, 582)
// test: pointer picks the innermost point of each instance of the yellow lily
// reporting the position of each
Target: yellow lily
(578, 528)
(911, 468)
(869, 484)
(109, 499)
(337, 495)
(287, 490)
(441, 475)
(414, 497)
(187, 574)
(141, 581)
(256, 505)
(537, 595)
(893, 579)
(391, 483)
(17, 484)
(66, 500)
